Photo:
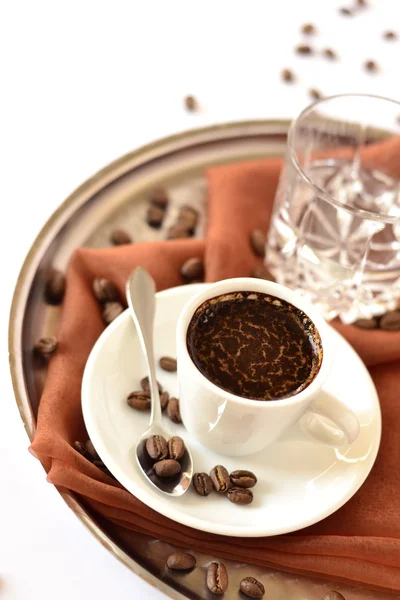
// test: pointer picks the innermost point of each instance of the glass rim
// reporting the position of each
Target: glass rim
(360, 212)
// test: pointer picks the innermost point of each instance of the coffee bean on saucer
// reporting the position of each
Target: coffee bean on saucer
(287, 75)
(139, 400)
(155, 216)
(45, 347)
(252, 587)
(220, 479)
(181, 561)
(304, 50)
(164, 399)
(146, 385)
(390, 36)
(159, 198)
(243, 479)
(173, 410)
(329, 53)
(192, 269)
(202, 484)
(111, 311)
(217, 578)
(362, 3)
(371, 66)
(79, 447)
(105, 290)
(188, 217)
(315, 94)
(345, 11)
(167, 363)
(261, 272)
(333, 595)
(308, 29)
(176, 447)
(366, 323)
(190, 103)
(167, 468)
(178, 232)
(390, 321)
(119, 237)
(239, 495)
(91, 450)
(54, 287)
(157, 447)
(258, 239)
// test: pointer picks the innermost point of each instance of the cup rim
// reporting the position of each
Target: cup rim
(267, 287)
(360, 212)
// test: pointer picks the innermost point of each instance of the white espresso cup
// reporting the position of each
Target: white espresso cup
(236, 426)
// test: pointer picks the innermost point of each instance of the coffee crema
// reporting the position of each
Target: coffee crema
(254, 345)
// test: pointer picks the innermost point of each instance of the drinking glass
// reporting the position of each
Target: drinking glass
(335, 228)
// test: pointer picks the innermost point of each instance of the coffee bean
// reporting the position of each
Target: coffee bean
(258, 239)
(173, 410)
(91, 450)
(54, 287)
(333, 595)
(176, 447)
(308, 29)
(178, 232)
(188, 217)
(159, 198)
(119, 237)
(46, 346)
(315, 94)
(111, 311)
(79, 447)
(164, 399)
(220, 478)
(192, 269)
(243, 479)
(157, 447)
(146, 385)
(390, 35)
(105, 290)
(100, 465)
(202, 484)
(167, 363)
(217, 578)
(252, 587)
(261, 272)
(155, 216)
(345, 11)
(366, 323)
(304, 50)
(181, 561)
(390, 321)
(362, 2)
(329, 53)
(287, 75)
(190, 103)
(167, 468)
(139, 400)
(239, 495)
(371, 66)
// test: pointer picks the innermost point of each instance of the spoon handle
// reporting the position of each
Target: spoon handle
(140, 294)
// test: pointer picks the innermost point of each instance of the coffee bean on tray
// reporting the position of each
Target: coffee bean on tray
(173, 410)
(243, 479)
(371, 66)
(362, 2)
(258, 239)
(160, 198)
(240, 495)
(390, 321)
(111, 311)
(181, 561)
(315, 94)
(164, 399)
(91, 450)
(304, 49)
(79, 447)
(188, 217)
(308, 29)
(178, 232)
(261, 272)
(366, 323)
(333, 595)
(252, 587)
(157, 447)
(119, 237)
(192, 269)
(217, 578)
(155, 216)
(167, 468)
(190, 103)
(202, 484)
(46, 346)
(54, 287)
(176, 447)
(167, 363)
(146, 385)
(139, 400)
(345, 11)
(390, 35)
(220, 479)
(329, 53)
(287, 75)
(105, 290)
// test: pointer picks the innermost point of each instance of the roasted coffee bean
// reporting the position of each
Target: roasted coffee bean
(155, 216)
(164, 398)
(178, 232)
(146, 385)
(100, 465)
(366, 323)
(243, 479)
(167, 363)
(304, 49)
(261, 272)
(239, 495)
(217, 578)
(181, 561)
(362, 2)
(333, 595)
(46, 346)
(54, 287)
(119, 237)
(308, 29)
(252, 587)
(167, 468)
(139, 400)
(345, 11)
(105, 290)
(190, 103)
(159, 198)
(173, 410)
(202, 484)
(329, 53)
(220, 478)
(390, 35)
(157, 447)
(111, 311)
(188, 217)
(390, 321)
(315, 94)
(258, 239)
(192, 269)
(287, 75)
(91, 450)
(176, 447)
(371, 66)
(79, 447)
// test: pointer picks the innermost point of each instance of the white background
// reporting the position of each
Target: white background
(83, 82)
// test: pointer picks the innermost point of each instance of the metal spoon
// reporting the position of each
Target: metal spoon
(140, 293)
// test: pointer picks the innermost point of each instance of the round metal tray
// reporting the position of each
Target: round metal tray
(118, 196)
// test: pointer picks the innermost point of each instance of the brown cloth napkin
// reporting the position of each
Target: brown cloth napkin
(360, 543)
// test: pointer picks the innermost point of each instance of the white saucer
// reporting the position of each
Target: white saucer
(299, 483)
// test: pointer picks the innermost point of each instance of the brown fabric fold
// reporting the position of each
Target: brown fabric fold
(358, 544)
